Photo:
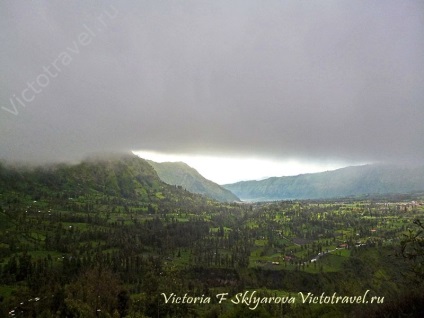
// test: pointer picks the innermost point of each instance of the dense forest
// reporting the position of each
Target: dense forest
(108, 238)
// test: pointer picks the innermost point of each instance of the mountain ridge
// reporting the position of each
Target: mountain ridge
(181, 174)
(343, 182)
(126, 178)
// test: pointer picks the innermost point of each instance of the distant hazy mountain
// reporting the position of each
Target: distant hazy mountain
(350, 181)
(179, 173)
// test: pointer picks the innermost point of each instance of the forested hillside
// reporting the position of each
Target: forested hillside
(350, 181)
(179, 173)
(125, 178)
(107, 238)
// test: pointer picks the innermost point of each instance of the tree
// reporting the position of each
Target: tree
(123, 303)
(412, 249)
(96, 290)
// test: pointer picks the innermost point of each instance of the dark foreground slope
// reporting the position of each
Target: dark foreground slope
(350, 181)
(181, 174)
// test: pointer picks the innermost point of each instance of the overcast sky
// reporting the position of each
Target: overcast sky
(314, 81)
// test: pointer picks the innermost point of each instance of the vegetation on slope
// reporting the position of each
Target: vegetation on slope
(350, 181)
(179, 173)
(107, 238)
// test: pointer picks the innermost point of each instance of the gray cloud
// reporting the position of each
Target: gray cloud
(333, 80)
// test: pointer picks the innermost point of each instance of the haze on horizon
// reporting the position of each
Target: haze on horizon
(319, 85)
(226, 170)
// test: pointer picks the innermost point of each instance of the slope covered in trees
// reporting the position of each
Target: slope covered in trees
(107, 238)
(125, 178)
(350, 181)
(181, 174)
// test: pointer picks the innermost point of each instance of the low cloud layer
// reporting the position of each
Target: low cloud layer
(333, 80)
